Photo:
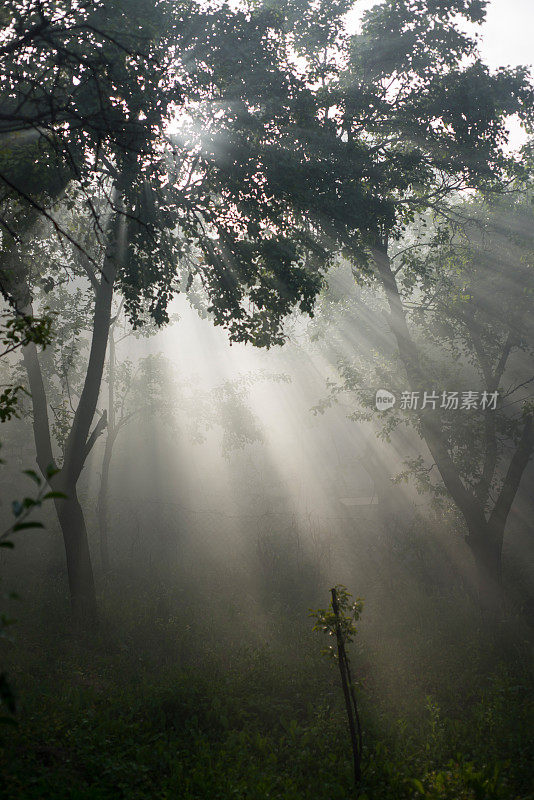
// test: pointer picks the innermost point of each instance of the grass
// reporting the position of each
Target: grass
(178, 707)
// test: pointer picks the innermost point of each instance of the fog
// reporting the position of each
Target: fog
(267, 401)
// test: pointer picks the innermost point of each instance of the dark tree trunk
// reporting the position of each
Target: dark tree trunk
(79, 568)
(112, 431)
(486, 545)
(80, 439)
(69, 511)
(485, 533)
(15, 286)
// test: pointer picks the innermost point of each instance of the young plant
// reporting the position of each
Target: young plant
(339, 622)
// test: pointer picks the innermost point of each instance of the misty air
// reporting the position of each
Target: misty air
(266, 400)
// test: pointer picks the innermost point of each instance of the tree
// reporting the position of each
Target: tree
(81, 82)
(223, 75)
(466, 292)
(73, 95)
(415, 118)
(162, 214)
(135, 391)
(274, 165)
(130, 392)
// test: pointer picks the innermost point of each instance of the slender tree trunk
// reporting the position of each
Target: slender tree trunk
(485, 534)
(111, 435)
(102, 505)
(349, 694)
(486, 545)
(79, 567)
(80, 440)
(14, 285)
(70, 515)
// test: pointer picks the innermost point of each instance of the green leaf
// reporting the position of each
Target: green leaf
(56, 495)
(33, 475)
(22, 526)
(29, 502)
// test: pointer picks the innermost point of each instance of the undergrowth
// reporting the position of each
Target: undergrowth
(173, 704)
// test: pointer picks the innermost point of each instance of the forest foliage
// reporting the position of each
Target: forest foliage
(352, 197)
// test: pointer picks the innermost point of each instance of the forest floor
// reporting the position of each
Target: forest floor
(167, 703)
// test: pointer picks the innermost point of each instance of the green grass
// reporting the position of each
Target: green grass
(183, 710)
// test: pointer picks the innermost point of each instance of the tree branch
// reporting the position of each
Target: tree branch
(99, 428)
(513, 477)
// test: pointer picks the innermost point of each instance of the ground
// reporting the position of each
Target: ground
(172, 704)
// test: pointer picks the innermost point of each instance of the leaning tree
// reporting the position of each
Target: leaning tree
(407, 117)
(466, 290)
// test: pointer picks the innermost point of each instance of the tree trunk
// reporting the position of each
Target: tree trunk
(486, 545)
(486, 536)
(15, 286)
(112, 431)
(79, 568)
(102, 504)
(80, 440)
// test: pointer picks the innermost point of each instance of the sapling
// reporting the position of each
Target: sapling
(339, 622)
